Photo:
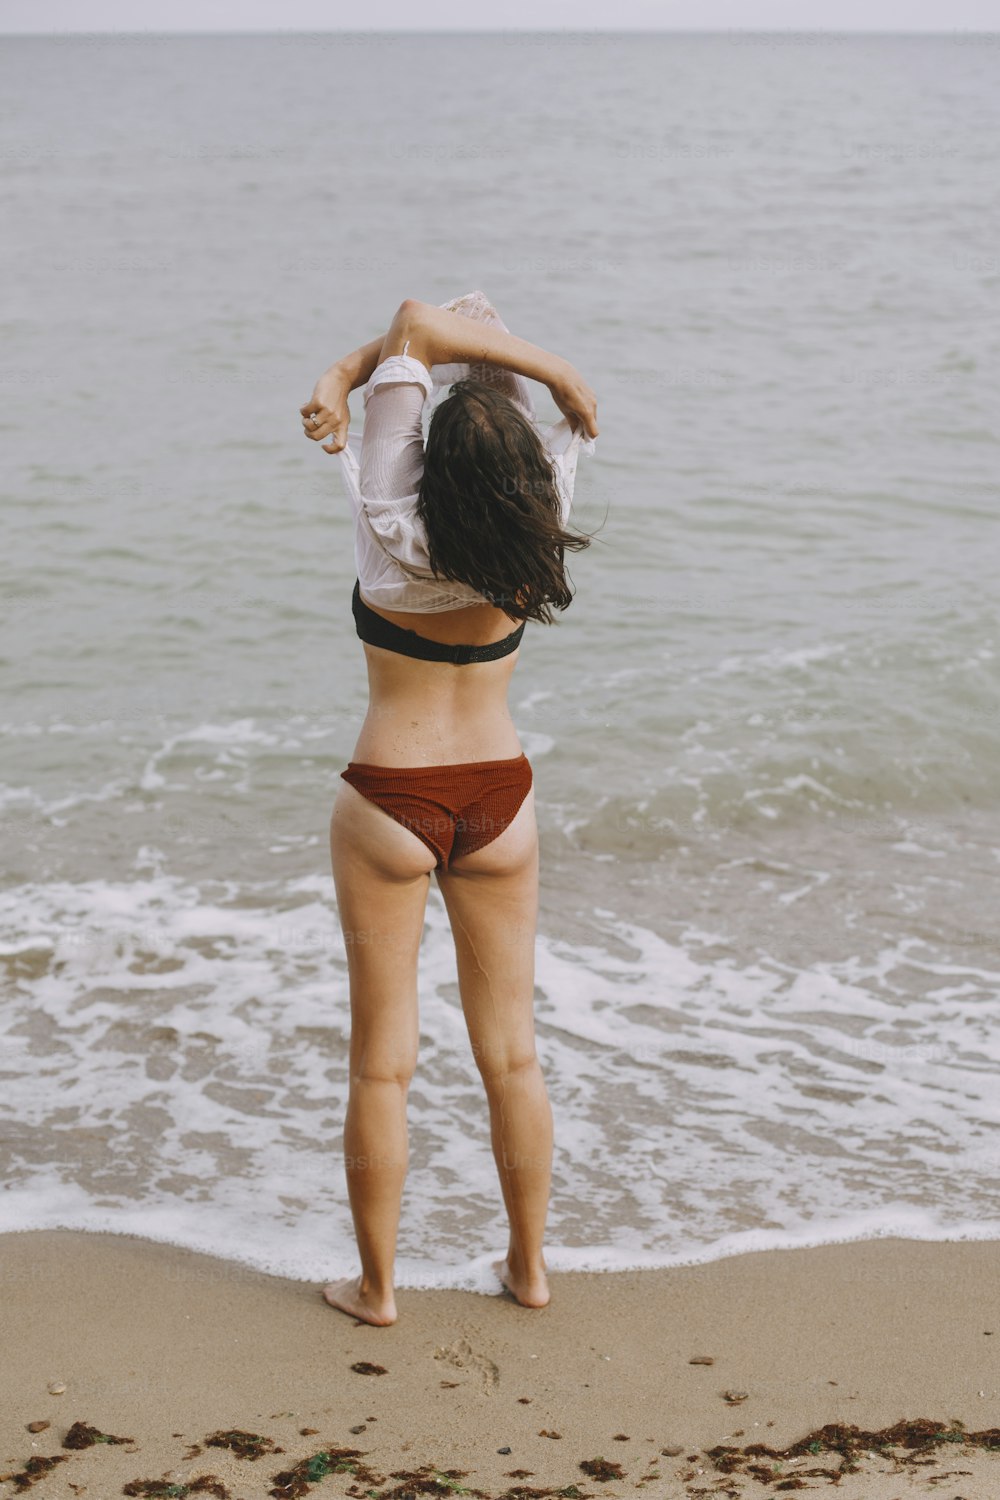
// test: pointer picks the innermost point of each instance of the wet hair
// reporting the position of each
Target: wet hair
(490, 504)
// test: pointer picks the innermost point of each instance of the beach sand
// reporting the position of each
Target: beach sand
(167, 1347)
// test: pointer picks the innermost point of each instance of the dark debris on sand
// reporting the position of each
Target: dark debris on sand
(33, 1470)
(410, 1484)
(249, 1445)
(919, 1437)
(163, 1489)
(82, 1436)
(427, 1480)
(299, 1479)
(363, 1367)
(601, 1469)
(531, 1492)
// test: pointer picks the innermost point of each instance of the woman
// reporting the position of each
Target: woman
(453, 547)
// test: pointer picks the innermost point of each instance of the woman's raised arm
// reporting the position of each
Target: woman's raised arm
(438, 337)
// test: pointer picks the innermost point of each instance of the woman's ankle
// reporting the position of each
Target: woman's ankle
(526, 1268)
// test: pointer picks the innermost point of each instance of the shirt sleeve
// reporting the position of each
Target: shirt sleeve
(564, 446)
(392, 443)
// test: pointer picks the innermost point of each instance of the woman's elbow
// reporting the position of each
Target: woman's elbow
(409, 312)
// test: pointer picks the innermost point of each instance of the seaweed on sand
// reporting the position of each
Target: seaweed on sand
(164, 1489)
(249, 1445)
(919, 1437)
(35, 1468)
(81, 1435)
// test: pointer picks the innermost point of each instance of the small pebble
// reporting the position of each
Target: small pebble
(56, 1387)
(308, 1431)
(702, 1359)
(671, 1452)
(37, 1426)
(360, 1427)
(503, 1450)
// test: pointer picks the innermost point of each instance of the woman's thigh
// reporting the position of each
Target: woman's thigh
(491, 897)
(380, 872)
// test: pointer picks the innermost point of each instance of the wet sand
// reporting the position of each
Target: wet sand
(656, 1372)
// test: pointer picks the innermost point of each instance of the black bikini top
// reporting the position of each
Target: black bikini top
(377, 631)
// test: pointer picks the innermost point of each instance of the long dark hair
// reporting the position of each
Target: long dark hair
(490, 504)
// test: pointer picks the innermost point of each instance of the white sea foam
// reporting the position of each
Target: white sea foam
(184, 1052)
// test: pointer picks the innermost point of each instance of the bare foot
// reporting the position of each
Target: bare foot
(349, 1298)
(530, 1291)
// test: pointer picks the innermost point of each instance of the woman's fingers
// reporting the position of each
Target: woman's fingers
(320, 425)
(576, 400)
(586, 414)
(326, 414)
(328, 425)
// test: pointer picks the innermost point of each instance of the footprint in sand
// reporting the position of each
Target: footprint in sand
(462, 1354)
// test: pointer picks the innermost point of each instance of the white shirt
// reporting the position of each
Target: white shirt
(384, 466)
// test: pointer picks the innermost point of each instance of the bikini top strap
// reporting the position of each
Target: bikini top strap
(377, 631)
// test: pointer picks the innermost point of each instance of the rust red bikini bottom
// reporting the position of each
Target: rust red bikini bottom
(456, 808)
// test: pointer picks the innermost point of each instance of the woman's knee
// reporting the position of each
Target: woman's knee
(374, 1068)
(501, 1064)
(385, 1053)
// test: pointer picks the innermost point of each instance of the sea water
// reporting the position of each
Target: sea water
(764, 736)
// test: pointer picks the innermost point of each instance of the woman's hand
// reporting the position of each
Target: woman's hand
(326, 413)
(575, 399)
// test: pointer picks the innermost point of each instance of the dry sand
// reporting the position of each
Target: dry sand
(167, 1347)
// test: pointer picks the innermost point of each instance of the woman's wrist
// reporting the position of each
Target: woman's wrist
(559, 371)
(355, 369)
